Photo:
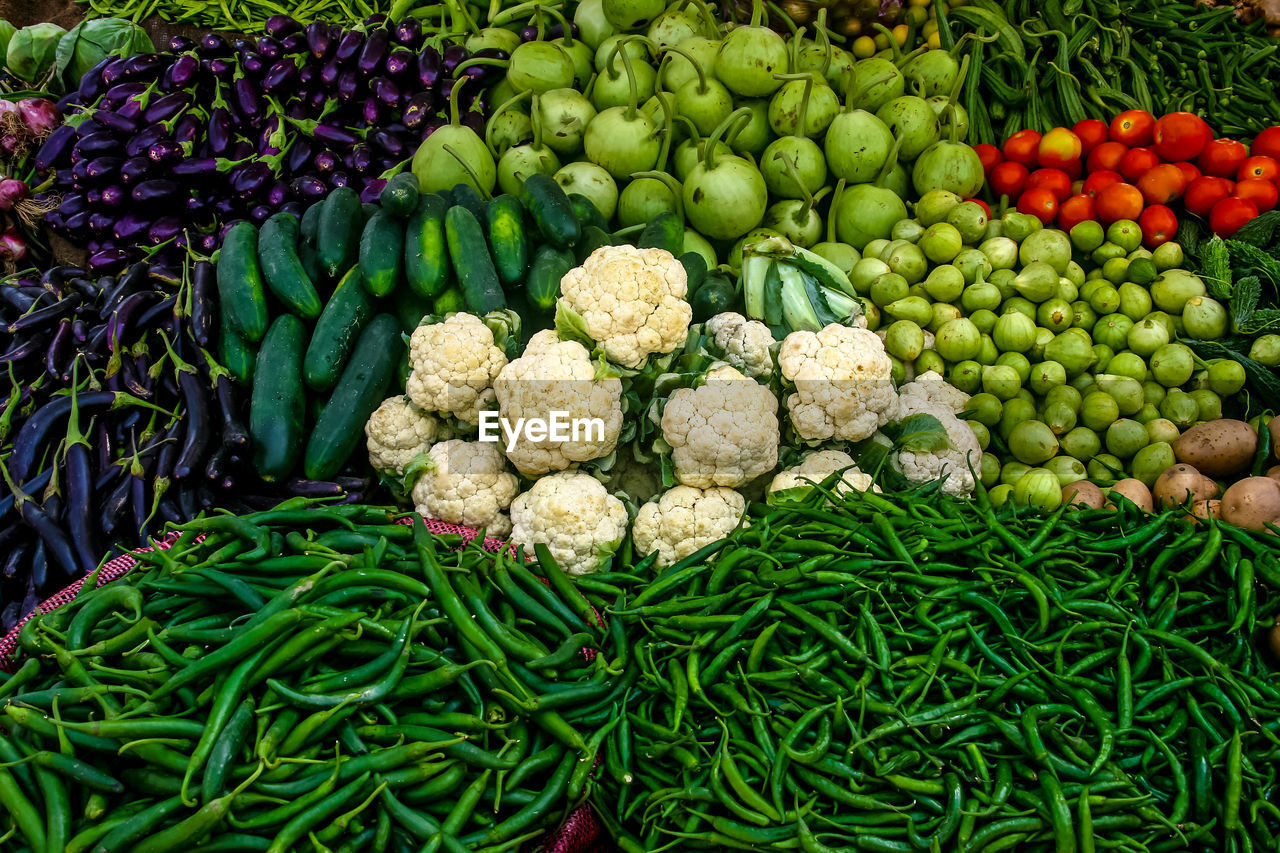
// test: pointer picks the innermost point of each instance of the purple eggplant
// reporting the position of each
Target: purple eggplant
(108, 260)
(308, 75)
(408, 32)
(454, 55)
(114, 196)
(136, 170)
(361, 159)
(57, 146)
(371, 191)
(72, 204)
(188, 128)
(320, 39)
(145, 66)
(156, 190)
(242, 150)
(349, 46)
(220, 131)
(241, 45)
(246, 98)
(317, 101)
(294, 45)
(249, 179)
(87, 127)
(97, 144)
(207, 242)
(335, 137)
(166, 80)
(137, 146)
(373, 111)
(164, 229)
(118, 122)
(474, 119)
(430, 64)
(196, 167)
(529, 33)
(203, 311)
(280, 75)
(113, 72)
(280, 26)
(270, 48)
(165, 152)
(399, 63)
(326, 161)
(181, 44)
(421, 107)
(296, 208)
(101, 223)
(339, 179)
(102, 169)
(91, 85)
(329, 74)
(385, 91)
(186, 71)
(254, 64)
(278, 193)
(116, 96)
(374, 52)
(308, 187)
(348, 86)
(299, 156)
(165, 108)
(389, 143)
(260, 213)
(222, 69)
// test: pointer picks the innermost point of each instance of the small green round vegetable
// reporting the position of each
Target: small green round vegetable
(1099, 410)
(1038, 488)
(1001, 380)
(1033, 442)
(1082, 443)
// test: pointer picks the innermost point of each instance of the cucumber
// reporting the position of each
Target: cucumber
(277, 407)
(240, 287)
(507, 239)
(282, 268)
(367, 210)
(338, 231)
(467, 196)
(426, 257)
(310, 222)
(587, 212)
(382, 254)
(340, 428)
(410, 308)
(551, 211)
(340, 323)
(665, 231)
(236, 355)
(695, 269)
(469, 253)
(715, 295)
(307, 241)
(400, 196)
(549, 266)
(448, 301)
(592, 238)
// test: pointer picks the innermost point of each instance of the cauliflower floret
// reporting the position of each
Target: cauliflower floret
(398, 431)
(453, 365)
(954, 462)
(930, 386)
(467, 483)
(844, 384)
(723, 433)
(816, 467)
(557, 376)
(743, 343)
(631, 301)
(573, 514)
(685, 519)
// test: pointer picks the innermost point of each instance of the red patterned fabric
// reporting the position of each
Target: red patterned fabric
(582, 832)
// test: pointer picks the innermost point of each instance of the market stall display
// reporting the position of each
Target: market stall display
(631, 425)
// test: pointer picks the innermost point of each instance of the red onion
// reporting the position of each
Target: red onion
(41, 115)
(12, 247)
(12, 191)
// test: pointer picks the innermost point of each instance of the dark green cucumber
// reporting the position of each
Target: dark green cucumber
(340, 428)
(236, 355)
(665, 231)
(307, 241)
(695, 269)
(426, 256)
(549, 266)
(472, 263)
(278, 405)
(448, 301)
(551, 210)
(592, 238)
(507, 239)
(282, 268)
(400, 196)
(382, 254)
(240, 287)
(469, 197)
(409, 309)
(716, 294)
(341, 322)
(338, 231)
(310, 222)
(587, 212)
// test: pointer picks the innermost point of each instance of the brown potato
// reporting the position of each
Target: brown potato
(1136, 491)
(1082, 493)
(1182, 481)
(1274, 473)
(1204, 510)
(1252, 503)
(1217, 448)
(1274, 426)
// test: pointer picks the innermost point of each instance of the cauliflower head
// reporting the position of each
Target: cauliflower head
(557, 376)
(685, 519)
(397, 431)
(843, 380)
(631, 301)
(931, 387)
(816, 467)
(453, 364)
(722, 433)
(742, 343)
(467, 483)
(953, 462)
(573, 514)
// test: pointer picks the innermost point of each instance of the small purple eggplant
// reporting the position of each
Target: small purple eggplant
(339, 179)
(166, 152)
(371, 191)
(164, 229)
(136, 170)
(408, 32)
(138, 145)
(72, 204)
(270, 48)
(348, 86)
(165, 108)
(373, 111)
(389, 143)
(299, 156)
(246, 98)
(220, 131)
(308, 187)
(213, 45)
(279, 26)
(181, 44)
(249, 179)
(421, 107)
(114, 195)
(188, 128)
(100, 223)
(529, 33)
(317, 101)
(186, 71)
(374, 52)
(103, 169)
(399, 64)
(93, 197)
(117, 122)
(308, 75)
(329, 73)
(361, 159)
(294, 45)
(108, 260)
(320, 39)
(335, 137)
(79, 223)
(277, 194)
(349, 46)
(280, 76)
(385, 91)
(326, 161)
(97, 144)
(430, 65)
(121, 92)
(155, 190)
(222, 69)
(259, 213)
(296, 208)
(254, 64)
(91, 85)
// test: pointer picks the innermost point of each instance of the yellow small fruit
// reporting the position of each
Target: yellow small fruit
(934, 41)
(900, 34)
(864, 47)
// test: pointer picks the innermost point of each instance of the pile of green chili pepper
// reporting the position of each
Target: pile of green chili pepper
(925, 674)
(310, 678)
(1057, 62)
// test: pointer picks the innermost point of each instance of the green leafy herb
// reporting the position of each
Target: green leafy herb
(1262, 231)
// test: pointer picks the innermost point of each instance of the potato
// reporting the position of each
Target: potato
(1136, 491)
(1274, 426)
(1217, 448)
(1182, 481)
(1082, 493)
(1204, 510)
(1252, 503)
(1274, 473)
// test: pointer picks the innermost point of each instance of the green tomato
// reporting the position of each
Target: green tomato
(1172, 364)
(907, 260)
(1125, 233)
(1016, 411)
(1033, 442)
(1060, 418)
(945, 283)
(967, 376)
(906, 229)
(986, 408)
(1088, 235)
(1128, 364)
(958, 340)
(1054, 315)
(1075, 274)
(1152, 461)
(1001, 380)
(1082, 443)
(973, 265)
(1142, 270)
(1106, 252)
(913, 308)
(887, 288)
(1204, 318)
(1048, 245)
(981, 433)
(984, 319)
(1018, 362)
(970, 220)
(1014, 332)
(1113, 330)
(990, 470)
(1126, 437)
(943, 313)
(980, 295)
(1226, 377)
(1146, 337)
(1265, 349)
(1105, 299)
(1102, 355)
(1000, 495)
(865, 272)
(1073, 349)
(1012, 471)
(1167, 256)
(1180, 407)
(930, 361)
(1018, 305)
(1147, 414)
(1135, 301)
(1161, 429)
(1001, 252)
(1105, 469)
(1208, 403)
(1046, 376)
(1038, 488)
(1038, 280)
(1116, 270)
(1152, 392)
(1099, 410)
(1082, 315)
(1125, 390)
(1067, 469)
(904, 340)
(941, 242)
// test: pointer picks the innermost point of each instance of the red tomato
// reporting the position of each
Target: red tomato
(1022, 147)
(1040, 203)
(1092, 133)
(1133, 127)
(1008, 178)
(1263, 194)
(1119, 201)
(1204, 192)
(1073, 168)
(1095, 183)
(1158, 224)
(1229, 215)
(1106, 157)
(984, 205)
(1189, 171)
(1162, 184)
(1267, 143)
(1181, 136)
(1058, 147)
(989, 155)
(1136, 162)
(1266, 168)
(1079, 208)
(1222, 158)
(1055, 181)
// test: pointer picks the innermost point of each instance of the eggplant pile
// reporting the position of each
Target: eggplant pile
(165, 149)
(116, 421)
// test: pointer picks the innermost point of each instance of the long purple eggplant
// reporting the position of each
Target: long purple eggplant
(35, 485)
(374, 52)
(430, 67)
(156, 190)
(220, 131)
(196, 437)
(135, 170)
(349, 46)
(203, 311)
(97, 144)
(35, 433)
(320, 40)
(91, 85)
(137, 145)
(130, 227)
(79, 491)
(44, 316)
(165, 108)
